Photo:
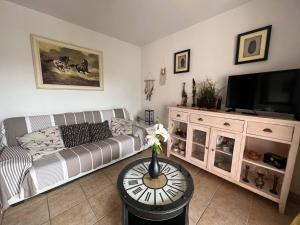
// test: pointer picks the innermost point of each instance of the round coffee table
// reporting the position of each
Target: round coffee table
(164, 200)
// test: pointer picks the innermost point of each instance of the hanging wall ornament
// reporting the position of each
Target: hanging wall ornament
(163, 76)
(149, 88)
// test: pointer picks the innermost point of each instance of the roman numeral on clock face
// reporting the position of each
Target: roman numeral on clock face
(161, 197)
(172, 192)
(148, 196)
(166, 170)
(133, 182)
(137, 190)
(134, 174)
(177, 184)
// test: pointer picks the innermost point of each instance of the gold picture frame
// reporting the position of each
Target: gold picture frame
(60, 65)
(253, 46)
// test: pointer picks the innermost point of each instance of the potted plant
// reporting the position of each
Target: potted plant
(208, 94)
(154, 140)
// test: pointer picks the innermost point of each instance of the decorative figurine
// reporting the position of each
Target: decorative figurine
(259, 181)
(245, 179)
(183, 96)
(275, 184)
(194, 93)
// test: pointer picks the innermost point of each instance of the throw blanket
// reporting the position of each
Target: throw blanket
(20, 178)
(14, 164)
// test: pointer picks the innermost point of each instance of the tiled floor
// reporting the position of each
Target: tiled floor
(94, 199)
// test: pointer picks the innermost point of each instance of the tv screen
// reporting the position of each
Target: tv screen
(276, 91)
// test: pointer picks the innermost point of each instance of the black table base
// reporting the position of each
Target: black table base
(131, 219)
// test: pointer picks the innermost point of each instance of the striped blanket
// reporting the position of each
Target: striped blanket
(21, 178)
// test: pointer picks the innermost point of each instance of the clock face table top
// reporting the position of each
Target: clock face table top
(155, 199)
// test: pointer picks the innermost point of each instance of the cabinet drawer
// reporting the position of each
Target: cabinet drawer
(229, 124)
(281, 132)
(177, 115)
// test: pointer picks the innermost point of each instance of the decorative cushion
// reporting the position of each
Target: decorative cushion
(99, 131)
(75, 134)
(121, 126)
(42, 142)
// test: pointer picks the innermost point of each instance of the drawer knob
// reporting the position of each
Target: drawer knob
(178, 115)
(212, 150)
(200, 119)
(267, 130)
(226, 124)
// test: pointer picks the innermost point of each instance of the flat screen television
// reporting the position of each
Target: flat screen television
(276, 91)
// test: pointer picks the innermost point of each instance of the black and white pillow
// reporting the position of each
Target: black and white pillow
(121, 126)
(43, 142)
(76, 134)
(99, 131)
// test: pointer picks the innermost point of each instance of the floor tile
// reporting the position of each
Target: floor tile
(31, 212)
(113, 171)
(113, 218)
(204, 190)
(191, 221)
(265, 212)
(65, 198)
(47, 223)
(292, 209)
(231, 204)
(80, 214)
(94, 183)
(105, 202)
(215, 216)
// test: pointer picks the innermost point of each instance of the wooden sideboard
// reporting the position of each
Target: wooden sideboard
(220, 142)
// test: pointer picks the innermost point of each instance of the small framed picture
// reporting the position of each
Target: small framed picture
(253, 46)
(182, 61)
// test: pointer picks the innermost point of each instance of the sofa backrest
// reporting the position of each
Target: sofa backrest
(12, 128)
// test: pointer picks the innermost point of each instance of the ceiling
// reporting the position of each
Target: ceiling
(135, 21)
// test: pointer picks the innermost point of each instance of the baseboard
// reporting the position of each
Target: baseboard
(294, 197)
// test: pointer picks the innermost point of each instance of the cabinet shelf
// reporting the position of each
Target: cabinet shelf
(225, 153)
(264, 165)
(178, 137)
(177, 155)
(265, 191)
(201, 145)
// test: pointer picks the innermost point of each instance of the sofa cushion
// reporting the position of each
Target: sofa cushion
(99, 131)
(121, 126)
(76, 134)
(42, 142)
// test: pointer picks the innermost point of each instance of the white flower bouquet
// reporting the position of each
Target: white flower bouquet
(155, 137)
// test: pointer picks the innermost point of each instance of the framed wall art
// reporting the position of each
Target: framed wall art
(253, 46)
(59, 65)
(182, 61)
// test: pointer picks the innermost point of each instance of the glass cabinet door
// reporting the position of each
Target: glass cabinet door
(224, 152)
(198, 144)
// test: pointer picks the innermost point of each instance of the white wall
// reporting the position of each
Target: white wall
(213, 44)
(18, 93)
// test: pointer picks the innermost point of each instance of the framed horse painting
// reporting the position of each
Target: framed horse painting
(59, 65)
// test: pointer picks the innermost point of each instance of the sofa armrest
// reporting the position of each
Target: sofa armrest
(15, 162)
(14, 153)
(140, 132)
